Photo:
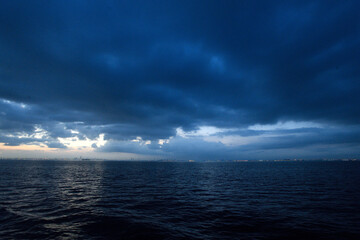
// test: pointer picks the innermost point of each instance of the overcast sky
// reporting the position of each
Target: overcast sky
(202, 80)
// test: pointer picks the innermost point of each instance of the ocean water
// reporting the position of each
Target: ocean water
(154, 200)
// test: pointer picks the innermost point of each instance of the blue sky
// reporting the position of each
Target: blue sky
(201, 80)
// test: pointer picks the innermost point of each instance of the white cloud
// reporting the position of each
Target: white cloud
(75, 142)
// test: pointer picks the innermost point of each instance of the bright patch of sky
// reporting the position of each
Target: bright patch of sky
(164, 141)
(39, 133)
(141, 141)
(233, 140)
(211, 134)
(14, 104)
(285, 126)
(201, 132)
(76, 143)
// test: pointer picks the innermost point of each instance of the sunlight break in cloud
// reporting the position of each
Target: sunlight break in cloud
(76, 143)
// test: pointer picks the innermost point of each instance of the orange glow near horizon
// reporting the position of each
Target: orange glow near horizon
(44, 152)
(24, 147)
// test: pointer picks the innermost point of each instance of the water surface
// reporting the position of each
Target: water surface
(153, 200)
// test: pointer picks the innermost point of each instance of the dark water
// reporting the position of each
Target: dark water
(139, 200)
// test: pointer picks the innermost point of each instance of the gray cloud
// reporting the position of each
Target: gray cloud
(145, 69)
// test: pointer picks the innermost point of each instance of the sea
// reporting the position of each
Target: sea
(179, 200)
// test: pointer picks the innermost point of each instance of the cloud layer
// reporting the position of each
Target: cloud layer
(140, 69)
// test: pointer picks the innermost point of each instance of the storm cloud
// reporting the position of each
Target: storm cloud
(140, 72)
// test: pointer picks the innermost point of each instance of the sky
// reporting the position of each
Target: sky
(199, 80)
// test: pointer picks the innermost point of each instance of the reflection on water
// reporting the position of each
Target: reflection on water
(41, 198)
(139, 200)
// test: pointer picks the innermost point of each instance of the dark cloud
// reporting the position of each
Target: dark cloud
(307, 143)
(139, 68)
